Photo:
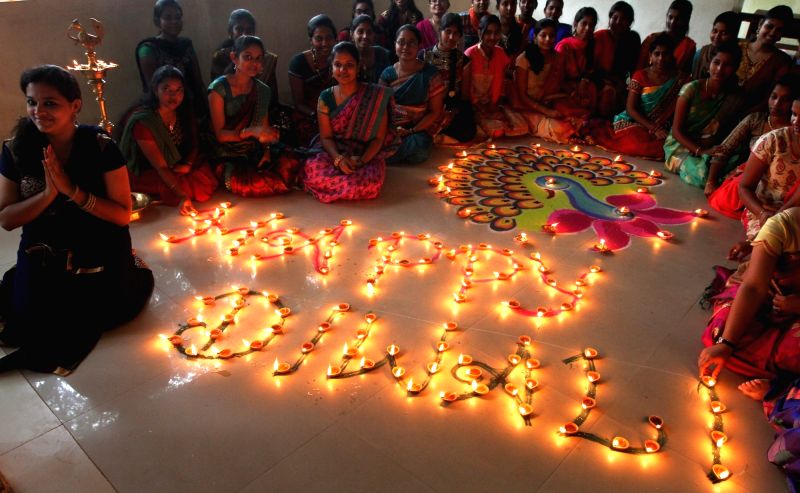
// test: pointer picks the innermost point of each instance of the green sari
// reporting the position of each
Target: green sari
(707, 121)
(137, 162)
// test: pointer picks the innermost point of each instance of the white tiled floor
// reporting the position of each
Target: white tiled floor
(137, 417)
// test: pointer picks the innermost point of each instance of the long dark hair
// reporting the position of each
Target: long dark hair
(393, 16)
(532, 52)
(587, 12)
(162, 74)
(159, 8)
(28, 140)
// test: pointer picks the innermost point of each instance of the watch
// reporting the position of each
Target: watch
(722, 340)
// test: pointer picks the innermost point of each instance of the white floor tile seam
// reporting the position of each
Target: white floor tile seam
(89, 457)
(302, 445)
(39, 435)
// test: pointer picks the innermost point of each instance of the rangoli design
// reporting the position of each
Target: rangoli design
(560, 192)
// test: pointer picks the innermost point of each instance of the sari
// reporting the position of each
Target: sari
(547, 81)
(701, 62)
(181, 55)
(314, 82)
(758, 77)
(487, 88)
(471, 26)
(706, 121)
(355, 122)
(734, 150)
(249, 168)
(176, 147)
(576, 72)
(779, 180)
(614, 61)
(458, 119)
(411, 96)
(657, 103)
(381, 58)
(770, 344)
(221, 65)
(430, 35)
(684, 53)
(782, 408)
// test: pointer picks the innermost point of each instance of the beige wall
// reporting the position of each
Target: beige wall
(33, 33)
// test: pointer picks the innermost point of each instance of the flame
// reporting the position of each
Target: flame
(275, 365)
(474, 385)
(410, 384)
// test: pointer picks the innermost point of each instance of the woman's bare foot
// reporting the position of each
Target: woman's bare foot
(755, 389)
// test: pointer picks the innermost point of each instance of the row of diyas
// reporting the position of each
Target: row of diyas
(286, 241)
(719, 472)
(589, 402)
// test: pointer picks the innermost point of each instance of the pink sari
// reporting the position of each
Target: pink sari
(355, 122)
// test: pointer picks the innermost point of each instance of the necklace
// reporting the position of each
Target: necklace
(169, 122)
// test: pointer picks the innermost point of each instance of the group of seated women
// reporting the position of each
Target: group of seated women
(448, 78)
(399, 82)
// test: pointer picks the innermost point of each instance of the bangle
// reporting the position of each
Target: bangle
(338, 160)
(726, 342)
(697, 151)
(91, 200)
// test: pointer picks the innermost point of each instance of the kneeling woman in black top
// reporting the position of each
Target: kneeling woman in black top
(67, 187)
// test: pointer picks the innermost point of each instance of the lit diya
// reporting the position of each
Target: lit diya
(718, 437)
(448, 396)
(569, 428)
(620, 443)
(651, 446)
(721, 472)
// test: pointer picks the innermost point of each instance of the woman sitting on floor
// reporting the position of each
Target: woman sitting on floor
(538, 78)
(679, 14)
(239, 103)
(242, 22)
(309, 75)
(361, 7)
(741, 141)
(755, 328)
(67, 187)
(484, 84)
(353, 122)
(762, 62)
(770, 180)
(704, 113)
(160, 143)
(616, 51)
(510, 31)
(399, 13)
(527, 23)
(553, 10)
(724, 30)
(458, 119)
(578, 54)
(641, 129)
(471, 20)
(418, 99)
(429, 28)
(168, 48)
(373, 59)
